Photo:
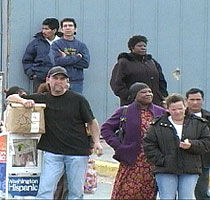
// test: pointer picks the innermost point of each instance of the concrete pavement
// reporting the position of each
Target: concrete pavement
(106, 168)
(104, 188)
(105, 165)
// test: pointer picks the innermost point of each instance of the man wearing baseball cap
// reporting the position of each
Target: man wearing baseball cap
(65, 142)
(57, 70)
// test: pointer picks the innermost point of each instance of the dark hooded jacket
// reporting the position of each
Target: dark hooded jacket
(132, 68)
(206, 157)
(36, 59)
(161, 145)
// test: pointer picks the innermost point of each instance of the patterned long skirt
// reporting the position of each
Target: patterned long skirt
(135, 182)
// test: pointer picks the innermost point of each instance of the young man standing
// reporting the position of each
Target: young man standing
(37, 59)
(194, 98)
(65, 142)
(71, 54)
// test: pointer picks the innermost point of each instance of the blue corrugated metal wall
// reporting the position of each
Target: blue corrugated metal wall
(177, 30)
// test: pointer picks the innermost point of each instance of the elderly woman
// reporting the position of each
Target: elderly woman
(138, 66)
(134, 179)
(174, 144)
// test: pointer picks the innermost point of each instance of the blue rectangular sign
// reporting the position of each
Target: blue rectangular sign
(23, 186)
(2, 178)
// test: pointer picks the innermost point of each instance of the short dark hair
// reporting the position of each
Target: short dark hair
(53, 23)
(173, 98)
(194, 91)
(136, 39)
(69, 20)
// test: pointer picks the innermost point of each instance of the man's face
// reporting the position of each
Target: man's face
(68, 29)
(195, 102)
(144, 96)
(140, 48)
(47, 32)
(58, 84)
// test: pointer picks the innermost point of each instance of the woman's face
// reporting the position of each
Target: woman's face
(140, 48)
(144, 96)
(177, 110)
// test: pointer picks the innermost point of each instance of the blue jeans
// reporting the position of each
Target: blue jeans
(53, 168)
(171, 184)
(77, 86)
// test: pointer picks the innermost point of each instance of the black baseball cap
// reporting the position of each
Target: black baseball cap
(57, 70)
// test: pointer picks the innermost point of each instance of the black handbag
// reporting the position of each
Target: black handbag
(120, 132)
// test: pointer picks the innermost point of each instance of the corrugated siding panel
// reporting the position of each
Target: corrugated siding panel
(95, 35)
(194, 42)
(119, 30)
(169, 40)
(177, 31)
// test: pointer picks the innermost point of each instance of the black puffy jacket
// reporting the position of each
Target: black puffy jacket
(161, 145)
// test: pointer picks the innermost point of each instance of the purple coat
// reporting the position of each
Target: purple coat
(128, 150)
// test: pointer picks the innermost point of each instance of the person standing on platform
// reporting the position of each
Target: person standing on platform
(138, 66)
(71, 54)
(37, 59)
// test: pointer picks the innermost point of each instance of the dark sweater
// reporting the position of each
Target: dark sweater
(73, 63)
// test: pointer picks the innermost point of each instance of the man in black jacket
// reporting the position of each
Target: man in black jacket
(194, 98)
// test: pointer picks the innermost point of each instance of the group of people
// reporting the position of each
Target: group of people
(53, 48)
(55, 61)
(166, 145)
(164, 150)
(166, 141)
(65, 144)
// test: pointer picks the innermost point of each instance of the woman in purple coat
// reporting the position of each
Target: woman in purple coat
(135, 178)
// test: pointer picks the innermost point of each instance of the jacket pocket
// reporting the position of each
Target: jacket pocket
(192, 161)
(170, 162)
(127, 153)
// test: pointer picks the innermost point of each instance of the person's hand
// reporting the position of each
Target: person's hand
(185, 145)
(29, 103)
(98, 149)
(62, 54)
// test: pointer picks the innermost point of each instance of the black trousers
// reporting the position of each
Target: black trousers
(202, 185)
(36, 83)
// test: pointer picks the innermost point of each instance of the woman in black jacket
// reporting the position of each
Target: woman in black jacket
(138, 66)
(174, 144)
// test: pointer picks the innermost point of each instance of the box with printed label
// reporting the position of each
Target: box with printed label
(25, 120)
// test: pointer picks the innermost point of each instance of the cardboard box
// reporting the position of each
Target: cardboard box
(25, 120)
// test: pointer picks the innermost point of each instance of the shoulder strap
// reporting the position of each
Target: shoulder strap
(122, 117)
(153, 62)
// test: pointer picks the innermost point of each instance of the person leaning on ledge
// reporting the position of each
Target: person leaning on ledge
(65, 142)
